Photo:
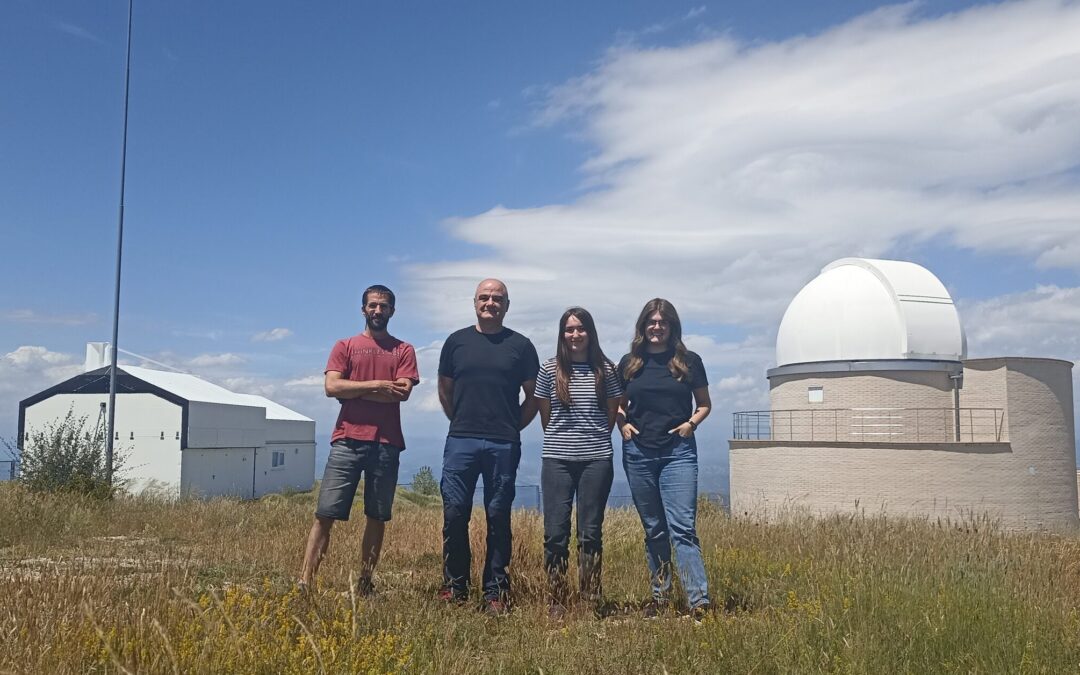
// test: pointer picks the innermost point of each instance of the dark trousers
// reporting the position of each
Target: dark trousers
(464, 461)
(560, 480)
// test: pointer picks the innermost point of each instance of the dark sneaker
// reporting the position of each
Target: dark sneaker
(451, 597)
(495, 607)
(303, 588)
(655, 609)
(365, 588)
(602, 610)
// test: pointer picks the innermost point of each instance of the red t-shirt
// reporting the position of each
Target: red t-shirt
(362, 358)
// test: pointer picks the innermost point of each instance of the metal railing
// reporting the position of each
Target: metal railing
(530, 496)
(526, 495)
(882, 425)
(9, 469)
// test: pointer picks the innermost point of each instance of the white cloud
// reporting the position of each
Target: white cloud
(24, 372)
(272, 335)
(29, 368)
(724, 175)
(1041, 322)
(308, 381)
(215, 360)
(740, 391)
(424, 400)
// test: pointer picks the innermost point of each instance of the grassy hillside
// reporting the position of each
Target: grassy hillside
(144, 586)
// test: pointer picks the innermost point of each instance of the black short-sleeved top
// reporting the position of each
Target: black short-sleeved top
(659, 402)
(488, 370)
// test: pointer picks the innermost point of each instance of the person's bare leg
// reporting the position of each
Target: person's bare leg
(317, 543)
(370, 547)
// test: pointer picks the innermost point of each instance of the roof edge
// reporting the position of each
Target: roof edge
(866, 365)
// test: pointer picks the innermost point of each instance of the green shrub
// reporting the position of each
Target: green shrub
(423, 482)
(65, 456)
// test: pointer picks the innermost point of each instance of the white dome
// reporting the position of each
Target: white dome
(859, 309)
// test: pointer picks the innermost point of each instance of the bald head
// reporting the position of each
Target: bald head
(491, 302)
(492, 286)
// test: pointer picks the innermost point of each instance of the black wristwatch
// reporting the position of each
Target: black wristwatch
(693, 424)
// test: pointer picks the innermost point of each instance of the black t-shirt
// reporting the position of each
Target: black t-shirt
(659, 402)
(487, 371)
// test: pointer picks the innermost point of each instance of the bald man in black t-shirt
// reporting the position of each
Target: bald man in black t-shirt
(482, 371)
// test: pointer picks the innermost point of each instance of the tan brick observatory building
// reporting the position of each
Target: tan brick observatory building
(874, 407)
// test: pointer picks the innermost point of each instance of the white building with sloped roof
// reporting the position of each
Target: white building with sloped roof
(875, 408)
(183, 435)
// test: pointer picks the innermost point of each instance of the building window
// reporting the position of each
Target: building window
(815, 394)
(278, 459)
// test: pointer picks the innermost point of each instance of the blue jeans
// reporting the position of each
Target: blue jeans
(464, 461)
(664, 486)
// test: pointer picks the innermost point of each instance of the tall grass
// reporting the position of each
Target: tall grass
(138, 585)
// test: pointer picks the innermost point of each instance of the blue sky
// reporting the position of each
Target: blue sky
(282, 157)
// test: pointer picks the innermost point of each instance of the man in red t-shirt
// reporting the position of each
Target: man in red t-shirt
(371, 374)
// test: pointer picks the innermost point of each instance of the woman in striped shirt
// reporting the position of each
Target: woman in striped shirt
(578, 392)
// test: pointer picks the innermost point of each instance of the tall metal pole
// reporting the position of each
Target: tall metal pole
(110, 432)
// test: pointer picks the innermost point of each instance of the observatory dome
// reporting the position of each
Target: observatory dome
(859, 309)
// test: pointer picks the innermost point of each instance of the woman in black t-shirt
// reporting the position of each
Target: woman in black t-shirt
(666, 398)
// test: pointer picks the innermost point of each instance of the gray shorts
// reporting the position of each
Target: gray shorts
(378, 462)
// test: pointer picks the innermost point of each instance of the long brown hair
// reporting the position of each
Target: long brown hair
(596, 359)
(677, 365)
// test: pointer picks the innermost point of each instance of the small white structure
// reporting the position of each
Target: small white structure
(184, 435)
(875, 407)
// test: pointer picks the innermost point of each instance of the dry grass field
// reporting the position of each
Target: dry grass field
(145, 586)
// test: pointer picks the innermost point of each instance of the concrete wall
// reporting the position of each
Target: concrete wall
(297, 473)
(147, 429)
(895, 389)
(1028, 482)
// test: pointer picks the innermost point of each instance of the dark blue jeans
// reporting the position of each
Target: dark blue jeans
(464, 461)
(664, 486)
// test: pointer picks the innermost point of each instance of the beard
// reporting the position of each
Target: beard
(378, 324)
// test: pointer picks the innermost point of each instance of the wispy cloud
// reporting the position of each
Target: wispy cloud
(308, 381)
(77, 31)
(696, 12)
(1044, 321)
(33, 316)
(272, 335)
(216, 360)
(723, 175)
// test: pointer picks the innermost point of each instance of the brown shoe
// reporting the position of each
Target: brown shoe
(451, 597)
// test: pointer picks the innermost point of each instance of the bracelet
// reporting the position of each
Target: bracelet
(692, 423)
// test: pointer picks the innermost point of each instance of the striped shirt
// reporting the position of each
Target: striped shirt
(578, 431)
